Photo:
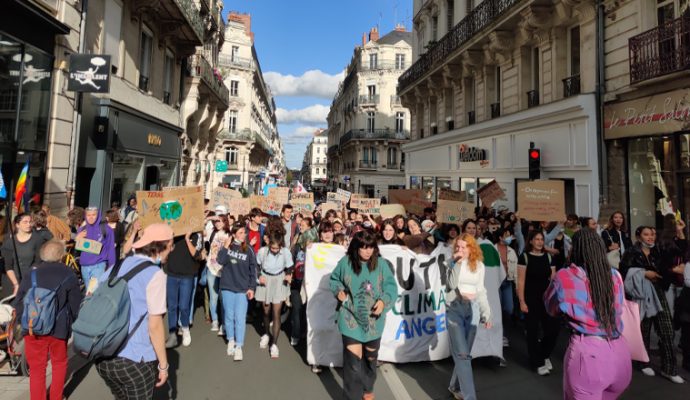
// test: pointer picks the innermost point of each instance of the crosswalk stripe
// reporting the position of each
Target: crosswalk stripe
(394, 383)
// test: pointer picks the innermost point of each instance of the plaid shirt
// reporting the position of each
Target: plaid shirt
(569, 294)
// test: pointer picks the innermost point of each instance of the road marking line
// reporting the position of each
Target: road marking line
(394, 383)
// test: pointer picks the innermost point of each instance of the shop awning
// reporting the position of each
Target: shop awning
(20, 18)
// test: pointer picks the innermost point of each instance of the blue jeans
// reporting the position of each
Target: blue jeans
(505, 293)
(179, 292)
(462, 319)
(235, 312)
(92, 271)
(212, 283)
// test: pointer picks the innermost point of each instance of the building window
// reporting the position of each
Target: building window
(536, 75)
(392, 159)
(399, 61)
(371, 90)
(168, 76)
(234, 88)
(434, 28)
(145, 59)
(574, 52)
(373, 61)
(399, 122)
(232, 121)
(318, 150)
(234, 55)
(231, 156)
(371, 118)
(450, 11)
(112, 32)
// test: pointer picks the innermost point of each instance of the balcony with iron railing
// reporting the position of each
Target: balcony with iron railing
(484, 15)
(191, 13)
(367, 164)
(376, 134)
(660, 51)
(369, 100)
(332, 150)
(226, 60)
(200, 68)
(571, 86)
(383, 65)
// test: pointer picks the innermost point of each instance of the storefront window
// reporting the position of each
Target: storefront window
(168, 170)
(35, 107)
(442, 183)
(414, 183)
(469, 186)
(651, 174)
(428, 188)
(128, 177)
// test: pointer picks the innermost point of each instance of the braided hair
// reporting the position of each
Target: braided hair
(589, 252)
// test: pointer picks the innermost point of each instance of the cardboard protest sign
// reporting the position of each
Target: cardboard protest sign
(391, 210)
(329, 206)
(354, 197)
(256, 201)
(302, 202)
(279, 194)
(182, 208)
(453, 195)
(88, 245)
(222, 197)
(490, 193)
(412, 199)
(453, 212)
(344, 195)
(334, 198)
(369, 206)
(541, 200)
(239, 207)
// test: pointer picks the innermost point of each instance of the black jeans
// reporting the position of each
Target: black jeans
(359, 374)
(537, 321)
(296, 312)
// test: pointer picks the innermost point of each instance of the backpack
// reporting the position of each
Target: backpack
(102, 327)
(40, 308)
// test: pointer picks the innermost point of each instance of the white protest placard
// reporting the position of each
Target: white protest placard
(344, 195)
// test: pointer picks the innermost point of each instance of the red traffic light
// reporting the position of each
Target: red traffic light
(534, 154)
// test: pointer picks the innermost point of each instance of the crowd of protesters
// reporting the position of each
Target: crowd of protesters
(570, 270)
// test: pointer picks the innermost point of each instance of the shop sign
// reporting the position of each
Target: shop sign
(155, 140)
(89, 73)
(653, 115)
(472, 154)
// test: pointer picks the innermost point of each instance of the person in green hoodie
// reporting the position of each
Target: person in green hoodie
(366, 289)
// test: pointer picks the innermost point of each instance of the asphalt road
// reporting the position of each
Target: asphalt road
(203, 371)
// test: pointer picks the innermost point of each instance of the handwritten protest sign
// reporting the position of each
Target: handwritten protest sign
(222, 197)
(453, 212)
(279, 195)
(369, 206)
(541, 200)
(490, 193)
(334, 198)
(412, 199)
(391, 210)
(344, 195)
(239, 207)
(182, 208)
(329, 206)
(302, 202)
(256, 201)
(453, 195)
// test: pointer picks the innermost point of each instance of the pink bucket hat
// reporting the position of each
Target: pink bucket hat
(154, 233)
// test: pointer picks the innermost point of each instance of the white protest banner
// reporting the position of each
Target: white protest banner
(489, 342)
(344, 195)
(415, 327)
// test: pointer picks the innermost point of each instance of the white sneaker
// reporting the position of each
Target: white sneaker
(457, 395)
(221, 331)
(231, 348)
(547, 364)
(672, 378)
(238, 354)
(275, 353)
(506, 343)
(214, 326)
(543, 370)
(263, 343)
(186, 337)
(648, 371)
(294, 341)
(3, 355)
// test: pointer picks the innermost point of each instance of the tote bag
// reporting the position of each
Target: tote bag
(632, 331)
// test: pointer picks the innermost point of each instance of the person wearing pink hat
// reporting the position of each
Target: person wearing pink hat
(142, 364)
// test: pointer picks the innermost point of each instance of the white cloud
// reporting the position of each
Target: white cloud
(313, 83)
(301, 135)
(315, 114)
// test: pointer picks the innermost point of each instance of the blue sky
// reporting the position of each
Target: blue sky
(303, 47)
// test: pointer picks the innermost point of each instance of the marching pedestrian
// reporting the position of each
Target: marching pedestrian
(291, 227)
(93, 265)
(616, 235)
(590, 293)
(142, 364)
(503, 240)
(389, 233)
(535, 269)
(25, 248)
(275, 276)
(237, 286)
(366, 290)
(50, 274)
(129, 213)
(113, 218)
(220, 233)
(255, 229)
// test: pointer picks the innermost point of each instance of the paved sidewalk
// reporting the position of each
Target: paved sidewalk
(14, 387)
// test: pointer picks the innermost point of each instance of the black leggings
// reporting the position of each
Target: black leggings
(359, 374)
(540, 348)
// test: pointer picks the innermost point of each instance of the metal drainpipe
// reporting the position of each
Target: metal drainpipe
(76, 116)
(600, 91)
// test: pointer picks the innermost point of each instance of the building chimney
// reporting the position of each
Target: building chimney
(374, 34)
(364, 39)
(400, 28)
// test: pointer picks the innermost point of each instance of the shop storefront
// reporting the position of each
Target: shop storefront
(26, 80)
(125, 151)
(653, 131)
(470, 157)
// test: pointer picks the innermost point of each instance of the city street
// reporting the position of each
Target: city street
(204, 371)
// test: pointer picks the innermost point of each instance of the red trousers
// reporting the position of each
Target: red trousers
(37, 349)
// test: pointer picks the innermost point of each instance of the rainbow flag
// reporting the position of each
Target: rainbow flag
(3, 189)
(20, 189)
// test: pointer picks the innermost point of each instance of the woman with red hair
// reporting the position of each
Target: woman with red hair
(467, 307)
